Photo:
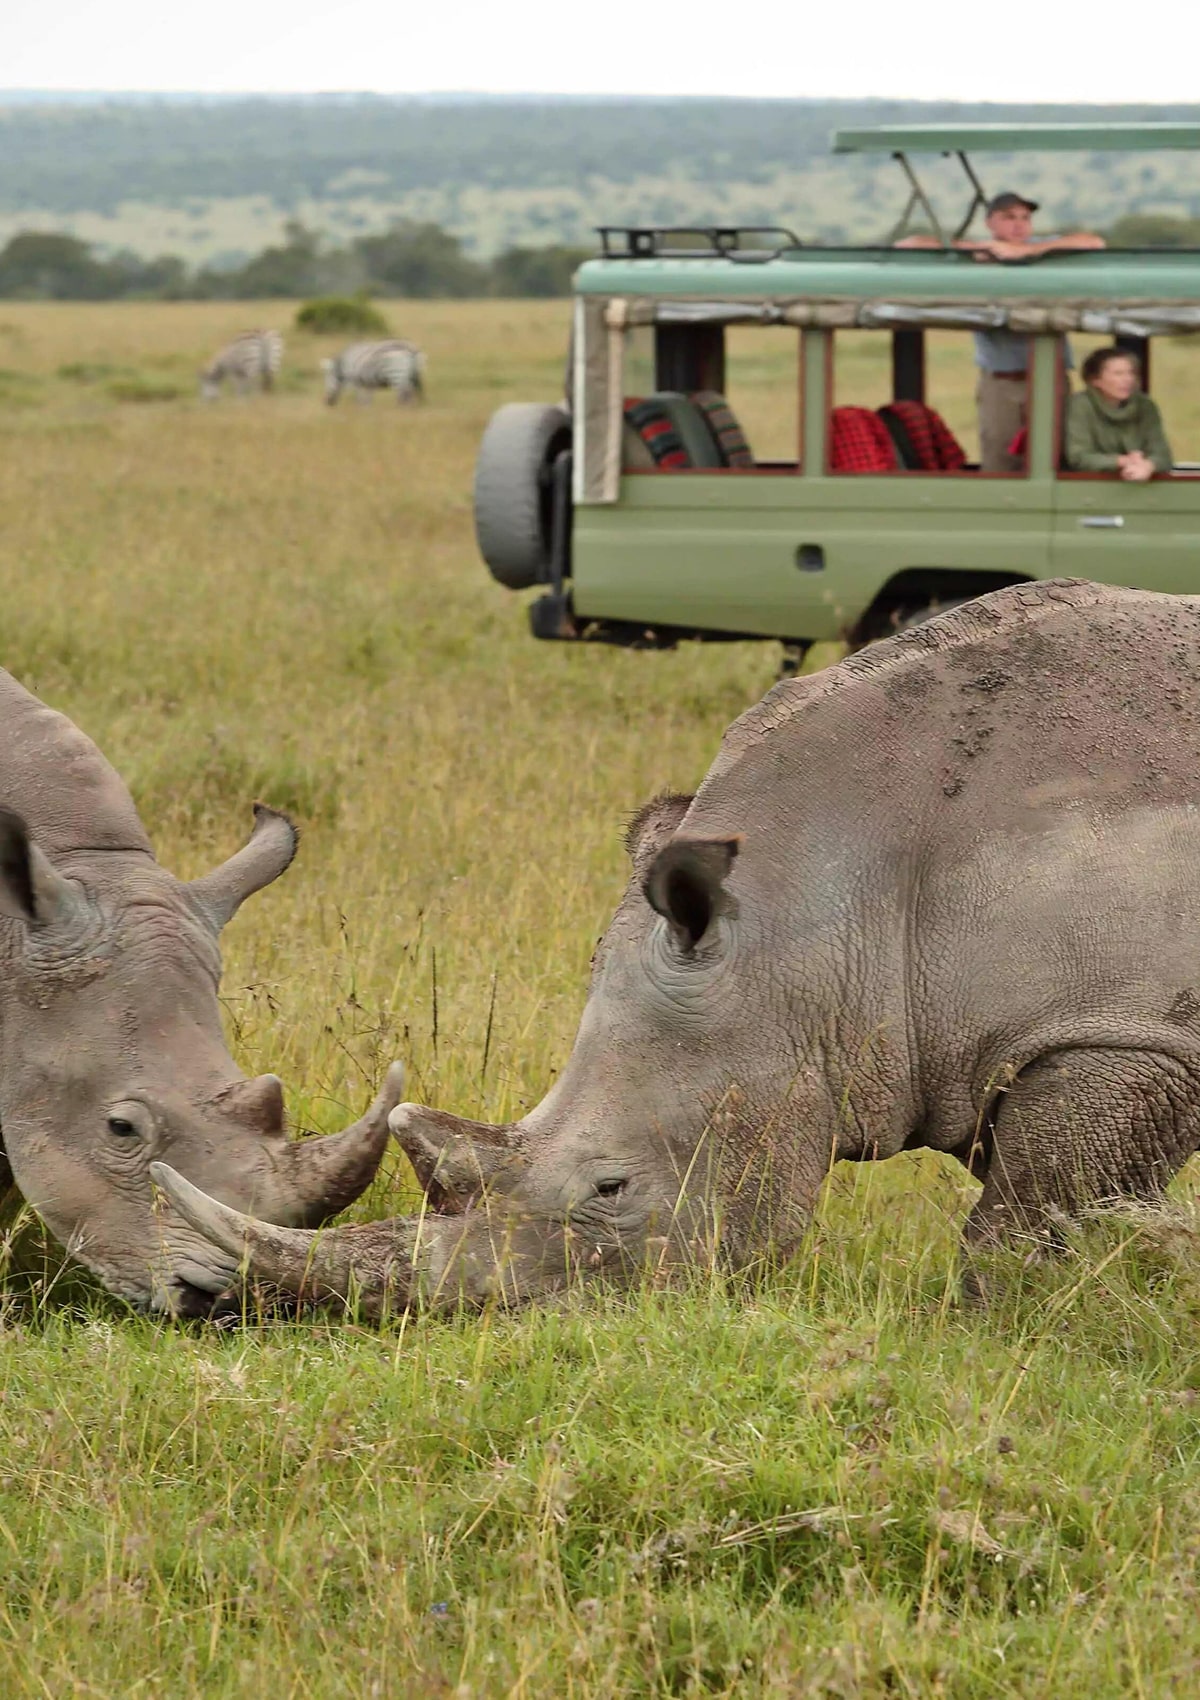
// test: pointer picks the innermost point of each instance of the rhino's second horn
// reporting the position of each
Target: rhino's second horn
(329, 1173)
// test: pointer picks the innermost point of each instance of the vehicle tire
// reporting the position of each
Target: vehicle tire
(918, 616)
(514, 502)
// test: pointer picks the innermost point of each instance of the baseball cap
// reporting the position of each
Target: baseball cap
(1009, 198)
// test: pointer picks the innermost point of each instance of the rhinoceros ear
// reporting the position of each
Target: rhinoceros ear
(685, 884)
(266, 854)
(649, 829)
(31, 888)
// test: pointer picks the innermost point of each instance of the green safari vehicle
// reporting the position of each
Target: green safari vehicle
(706, 475)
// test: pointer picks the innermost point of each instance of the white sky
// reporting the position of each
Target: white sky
(922, 49)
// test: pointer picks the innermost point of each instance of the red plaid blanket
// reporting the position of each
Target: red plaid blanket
(934, 445)
(859, 442)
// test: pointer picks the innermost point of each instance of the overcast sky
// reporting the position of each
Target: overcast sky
(923, 49)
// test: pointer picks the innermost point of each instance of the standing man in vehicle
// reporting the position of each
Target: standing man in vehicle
(1002, 357)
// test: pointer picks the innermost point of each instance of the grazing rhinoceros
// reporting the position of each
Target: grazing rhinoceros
(945, 894)
(111, 1052)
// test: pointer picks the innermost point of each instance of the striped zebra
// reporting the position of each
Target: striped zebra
(365, 366)
(251, 361)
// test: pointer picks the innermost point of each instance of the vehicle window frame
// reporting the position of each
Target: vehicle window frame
(766, 469)
(971, 472)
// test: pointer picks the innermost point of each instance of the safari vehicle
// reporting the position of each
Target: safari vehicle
(647, 509)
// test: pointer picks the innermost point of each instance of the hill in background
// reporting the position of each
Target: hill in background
(214, 180)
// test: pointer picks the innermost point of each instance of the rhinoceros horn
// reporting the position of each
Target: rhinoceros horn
(268, 851)
(378, 1263)
(328, 1173)
(384, 1265)
(318, 1176)
(454, 1160)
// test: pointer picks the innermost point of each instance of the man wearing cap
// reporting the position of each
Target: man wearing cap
(1002, 357)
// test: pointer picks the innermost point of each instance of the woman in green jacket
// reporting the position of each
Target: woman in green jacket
(1112, 425)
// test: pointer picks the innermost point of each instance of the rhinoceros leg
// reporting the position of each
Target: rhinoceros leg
(1080, 1128)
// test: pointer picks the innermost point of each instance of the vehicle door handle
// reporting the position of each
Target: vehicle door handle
(1103, 522)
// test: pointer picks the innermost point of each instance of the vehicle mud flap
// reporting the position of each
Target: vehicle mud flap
(550, 617)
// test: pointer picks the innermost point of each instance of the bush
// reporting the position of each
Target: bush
(334, 314)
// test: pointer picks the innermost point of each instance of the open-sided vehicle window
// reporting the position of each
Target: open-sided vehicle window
(762, 385)
(862, 369)
(878, 376)
(1175, 386)
(709, 398)
(951, 380)
(1170, 368)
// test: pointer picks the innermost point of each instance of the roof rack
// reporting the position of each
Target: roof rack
(724, 241)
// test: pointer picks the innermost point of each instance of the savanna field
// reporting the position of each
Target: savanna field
(828, 1480)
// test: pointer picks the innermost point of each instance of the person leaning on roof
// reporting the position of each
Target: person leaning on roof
(1112, 425)
(1002, 357)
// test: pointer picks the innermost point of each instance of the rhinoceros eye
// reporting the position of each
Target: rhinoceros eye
(121, 1126)
(610, 1188)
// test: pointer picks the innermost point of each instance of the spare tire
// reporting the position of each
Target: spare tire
(514, 496)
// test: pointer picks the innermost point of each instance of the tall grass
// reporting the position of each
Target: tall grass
(826, 1481)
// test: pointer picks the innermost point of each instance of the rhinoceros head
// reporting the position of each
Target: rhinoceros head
(112, 1058)
(670, 1132)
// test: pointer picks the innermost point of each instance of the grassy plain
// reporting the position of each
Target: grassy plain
(831, 1483)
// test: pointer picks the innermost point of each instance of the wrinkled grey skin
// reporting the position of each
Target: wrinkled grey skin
(111, 1051)
(945, 894)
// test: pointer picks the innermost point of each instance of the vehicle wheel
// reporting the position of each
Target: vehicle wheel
(918, 616)
(514, 507)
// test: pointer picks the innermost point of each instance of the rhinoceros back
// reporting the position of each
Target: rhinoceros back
(56, 778)
(1052, 675)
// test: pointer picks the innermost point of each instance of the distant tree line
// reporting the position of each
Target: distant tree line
(409, 259)
(60, 156)
(412, 259)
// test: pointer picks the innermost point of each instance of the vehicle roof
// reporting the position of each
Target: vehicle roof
(1015, 138)
(905, 274)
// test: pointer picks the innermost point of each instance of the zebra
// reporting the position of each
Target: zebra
(365, 366)
(252, 359)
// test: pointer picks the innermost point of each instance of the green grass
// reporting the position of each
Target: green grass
(828, 1480)
(144, 389)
